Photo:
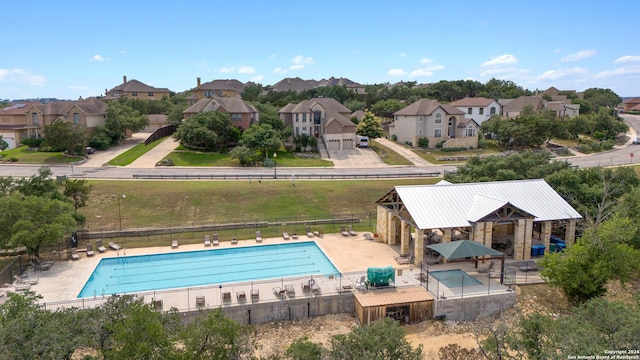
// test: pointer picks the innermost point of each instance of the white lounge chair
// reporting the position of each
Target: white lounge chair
(174, 244)
(74, 254)
(99, 246)
(216, 240)
(285, 236)
(351, 232)
(258, 236)
(343, 230)
(114, 246)
(309, 233)
(207, 240)
(90, 250)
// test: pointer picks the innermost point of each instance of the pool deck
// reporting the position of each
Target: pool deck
(351, 255)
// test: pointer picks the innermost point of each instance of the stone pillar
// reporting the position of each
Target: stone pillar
(518, 241)
(545, 234)
(478, 232)
(418, 251)
(392, 234)
(570, 232)
(446, 237)
(488, 234)
(382, 222)
(528, 235)
(405, 237)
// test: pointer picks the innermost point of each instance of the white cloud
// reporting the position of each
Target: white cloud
(402, 54)
(228, 70)
(21, 76)
(425, 61)
(98, 58)
(582, 54)
(301, 60)
(506, 59)
(279, 71)
(559, 74)
(257, 78)
(627, 58)
(426, 72)
(296, 67)
(272, 56)
(618, 72)
(246, 69)
(396, 72)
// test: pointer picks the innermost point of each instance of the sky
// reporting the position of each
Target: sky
(71, 49)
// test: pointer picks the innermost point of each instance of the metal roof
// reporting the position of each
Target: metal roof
(457, 205)
(395, 296)
(463, 249)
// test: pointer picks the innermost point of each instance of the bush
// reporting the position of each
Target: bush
(423, 143)
(165, 162)
(439, 145)
(33, 142)
(408, 143)
(394, 137)
(100, 141)
(453, 149)
(13, 159)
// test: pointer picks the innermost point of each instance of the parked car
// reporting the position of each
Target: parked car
(636, 141)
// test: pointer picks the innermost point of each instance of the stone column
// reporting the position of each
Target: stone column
(478, 232)
(570, 232)
(382, 223)
(528, 235)
(488, 234)
(446, 237)
(392, 237)
(418, 251)
(405, 237)
(518, 241)
(545, 234)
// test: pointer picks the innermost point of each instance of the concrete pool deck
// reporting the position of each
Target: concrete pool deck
(350, 255)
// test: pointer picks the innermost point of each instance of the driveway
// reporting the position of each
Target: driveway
(362, 158)
(102, 157)
(403, 151)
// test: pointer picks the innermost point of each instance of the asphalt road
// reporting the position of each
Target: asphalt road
(619, 156)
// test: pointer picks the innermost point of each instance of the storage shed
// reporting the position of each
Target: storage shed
(407, 304)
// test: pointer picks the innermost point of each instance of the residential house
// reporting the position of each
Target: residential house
(632, 104)
(219, 88)
(298, 85)
(241, 113)
(156, 121)
(323, 118)
(513, 108)
(24, 120)
(440, 123)
(348, 84)
(477, 108)
(136, 90)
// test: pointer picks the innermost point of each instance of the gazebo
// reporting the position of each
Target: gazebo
(467, 250)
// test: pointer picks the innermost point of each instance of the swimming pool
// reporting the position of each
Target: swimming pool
(205, 267)
(454, 278)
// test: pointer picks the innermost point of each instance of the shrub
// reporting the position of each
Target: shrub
(33, 142)
(439, 145)
(423, 143)
(394, 137)
(453, 149)
(100, 141)
(13, 159)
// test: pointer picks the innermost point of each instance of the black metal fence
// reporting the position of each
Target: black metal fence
(284, 176)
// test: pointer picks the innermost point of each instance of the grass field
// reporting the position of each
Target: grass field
(389, 156)
(135, 152)
(29, 156)
(432, 154)
(193, 158)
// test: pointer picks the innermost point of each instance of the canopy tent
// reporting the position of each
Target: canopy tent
(463, 249)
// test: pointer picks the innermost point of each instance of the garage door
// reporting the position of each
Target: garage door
(347, 144)
(333, 145)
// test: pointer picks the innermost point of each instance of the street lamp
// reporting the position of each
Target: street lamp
(275, 165)
(119, 210)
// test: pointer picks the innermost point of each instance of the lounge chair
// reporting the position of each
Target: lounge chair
(100, 247)
(368, 236)
(216, 240)
(241, 296)
(291, 292)
(21, 281)
(21, 287)
(294, 236)
(226, 296)
(258, 236)
(207, 240)
(278, 292)
(42, 265)
(174, 244)
(309, 233)
(343, 230)
(255, 295)
(234, 241)
(74, 254)
(487, 269)
(114, 246)
(305, 287)
(285, 236)
(200, 302)
(90, 250)
(351, 232)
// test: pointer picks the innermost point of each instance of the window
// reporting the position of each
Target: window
(76, 118)
(34, 118)
(471, 131)
(421, 118)
(317, 117)
(469, 111)
(492, 111)
(297, 117)
(134, 94)
(150, 94)
(420, 131)
(297, 131)
(437, 133)
(304, 129)
(236, 117)
(481, 111)
(304, 117)
(438, 118)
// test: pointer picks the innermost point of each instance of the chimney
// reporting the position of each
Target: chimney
(198, 82)
(124, 79)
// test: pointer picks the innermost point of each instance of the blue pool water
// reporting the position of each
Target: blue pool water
(205, 267)
(455, 278)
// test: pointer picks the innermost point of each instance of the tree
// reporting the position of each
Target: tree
(529, 130)
(380, 340)
(304, 349)
(602, 98)
(386, 108)
(120, 117)
(252, 92)
(78, 191)
(209, 130)
(262, 137)
(369, 126)
(65, 136)
(243, 154)
(3, 144)
(34, 221)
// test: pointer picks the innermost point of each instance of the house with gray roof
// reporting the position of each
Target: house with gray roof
(219, 88)
(477, 108)
(137, 90)
(515, 107)
(241, 113)
(510, 215)
(299, 85)
(440, 123)
(323, 118)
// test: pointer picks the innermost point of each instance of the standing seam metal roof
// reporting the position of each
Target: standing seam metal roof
(457, 205)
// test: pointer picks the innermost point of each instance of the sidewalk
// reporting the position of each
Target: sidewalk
(151, 158)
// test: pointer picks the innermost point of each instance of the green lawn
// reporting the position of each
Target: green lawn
(194, 158)
(134, 153)
(25, 155)
(431, 155)
(389, 156)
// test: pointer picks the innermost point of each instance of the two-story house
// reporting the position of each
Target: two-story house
(324, 118)
(513, 108)
(219, 88)
(477, 108)
(440, 123)
(241, 113)
(136, 90)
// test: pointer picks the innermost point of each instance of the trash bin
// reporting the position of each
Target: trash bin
(541, 250)
(534, 250)
(552, 248)
(561, 246)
